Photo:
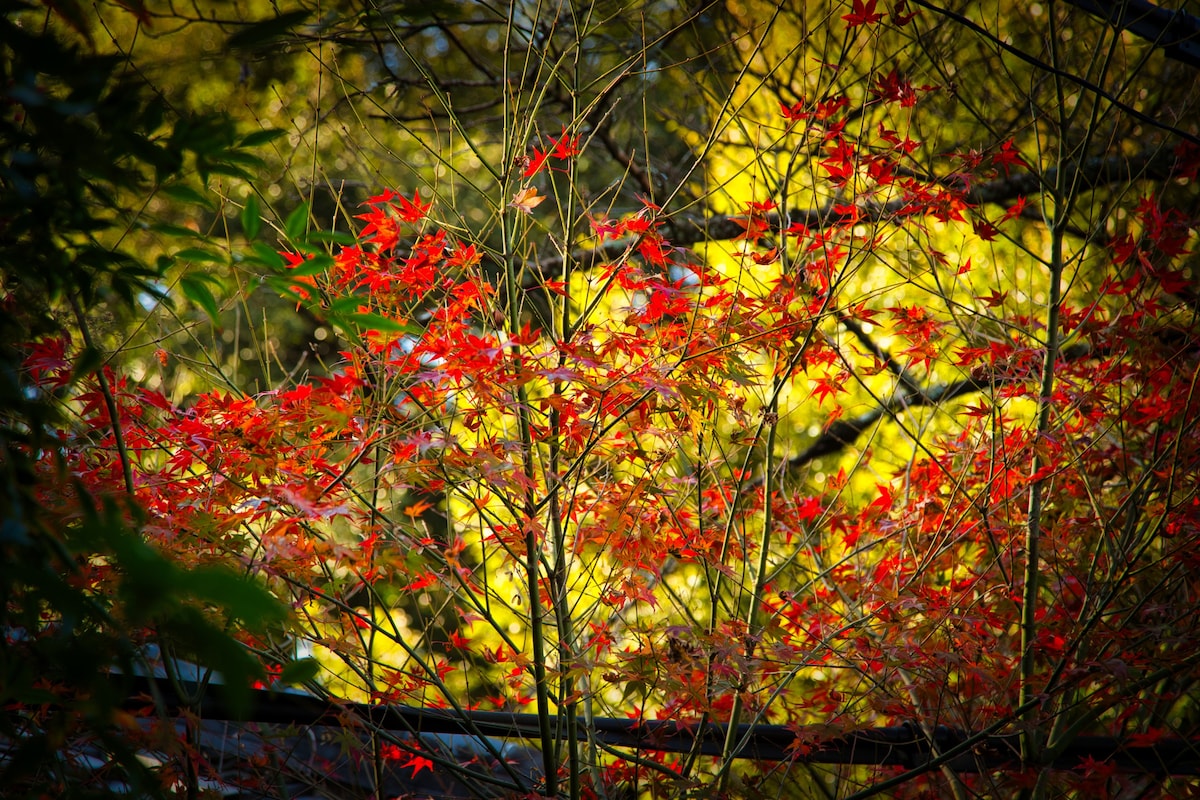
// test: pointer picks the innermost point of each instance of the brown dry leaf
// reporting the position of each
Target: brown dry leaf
(527, 199)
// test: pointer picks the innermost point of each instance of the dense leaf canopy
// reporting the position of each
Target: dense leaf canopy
(829, 366)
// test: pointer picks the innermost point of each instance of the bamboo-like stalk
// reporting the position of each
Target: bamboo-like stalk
(771, 422)
(532, 544)
(1056, 218)
(110, 401)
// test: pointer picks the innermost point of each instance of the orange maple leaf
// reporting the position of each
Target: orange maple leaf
(527, 199)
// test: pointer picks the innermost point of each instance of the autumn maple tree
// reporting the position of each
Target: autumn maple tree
(861, 422)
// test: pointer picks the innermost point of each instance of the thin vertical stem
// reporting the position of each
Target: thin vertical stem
(533, 553)
(110, 402)
(1057, 217)
(529, 509)
(771, 420)
(1033, 531)
(533, 550)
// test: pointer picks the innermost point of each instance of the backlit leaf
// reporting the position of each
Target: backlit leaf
(195, 288)
(527, 200)
(251, 218)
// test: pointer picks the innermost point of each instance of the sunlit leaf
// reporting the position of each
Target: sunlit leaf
(297, 222)
(311, 266)
(251, 218)
(195, 288)
(187, 194)
(258, 35)
(199, 254)
(259, 138)
(527, 200)
(372, 321)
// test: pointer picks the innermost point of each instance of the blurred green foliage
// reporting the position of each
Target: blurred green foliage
(85, 144)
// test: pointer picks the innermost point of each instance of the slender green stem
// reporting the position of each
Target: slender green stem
(558, 588)
(1033, 531)
(1062, 196)
(567, 646)
(749, 614)
(110, 402)
(533, 546)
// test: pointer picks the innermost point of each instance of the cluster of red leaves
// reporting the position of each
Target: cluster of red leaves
(896, 603)
(564, 148)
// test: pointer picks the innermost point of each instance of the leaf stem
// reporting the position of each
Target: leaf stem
(529, 511)
(771, 420)
(110, 402)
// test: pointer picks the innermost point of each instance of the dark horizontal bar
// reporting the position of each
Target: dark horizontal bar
(1173, 30)
(901, 746)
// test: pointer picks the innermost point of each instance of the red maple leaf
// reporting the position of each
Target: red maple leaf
(1008, 156)
(862, 13)
(885, 499)
(565, 146)
(794, 112)
(893, 88)
(810, 508)
(464, 256)
(995, 299)
(608, 229)
(423, 580)
(419, 763)
(1016, 209)
(985, 230)
(899, 18)
(380, 231)
(412, 210)
(536, 163)
(841, 162)
(1151, 736)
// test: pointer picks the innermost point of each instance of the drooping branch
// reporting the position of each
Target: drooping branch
(1084, 83)
(1177, 33)
(685, 230)
(1095, 173)
(843, 433)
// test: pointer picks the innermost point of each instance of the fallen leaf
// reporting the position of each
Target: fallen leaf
(527, 199)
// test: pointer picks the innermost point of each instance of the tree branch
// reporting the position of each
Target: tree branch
(1175, 32)
(685, 230)
(842, 433)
